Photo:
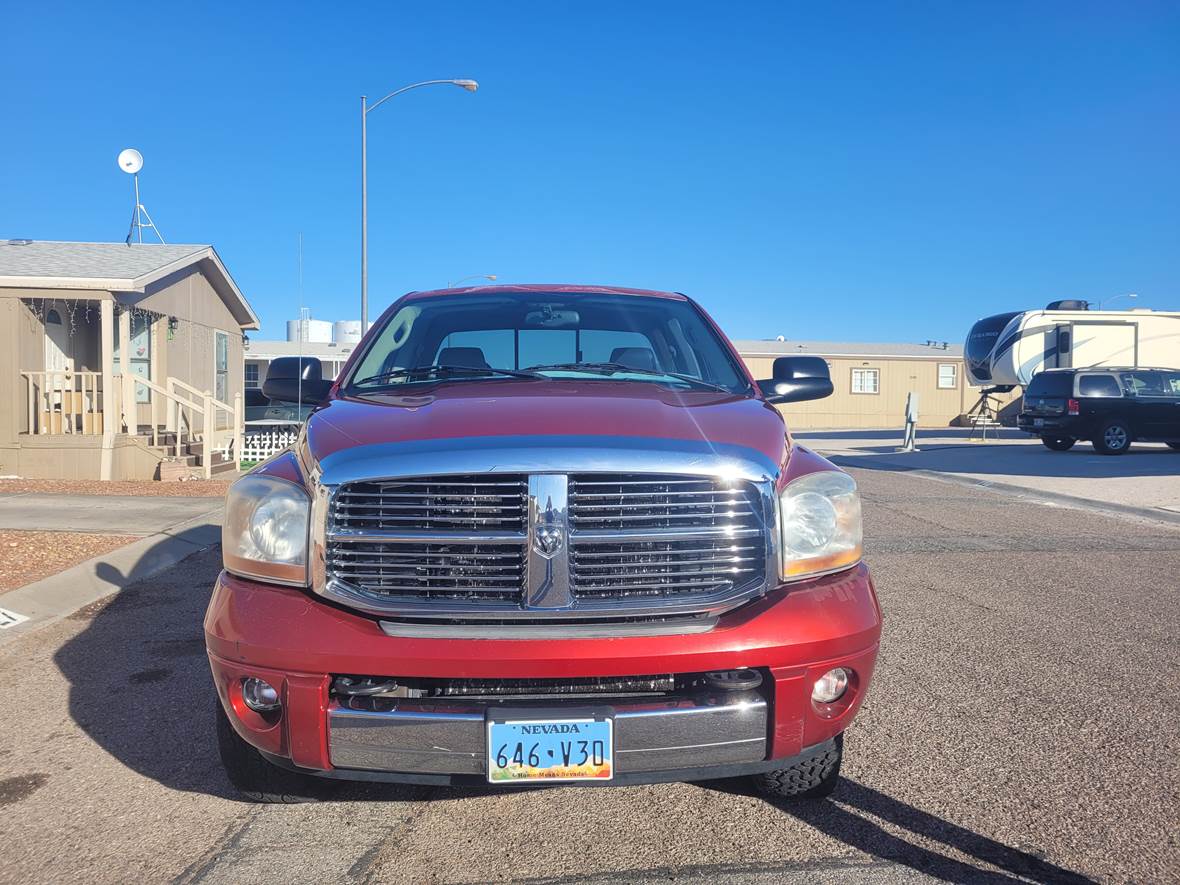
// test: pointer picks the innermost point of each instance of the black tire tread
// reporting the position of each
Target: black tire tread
(811, 778)
(255, 778)
(1100, 437)
(1058, 443)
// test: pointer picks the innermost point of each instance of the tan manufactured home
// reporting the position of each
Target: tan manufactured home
(116, 359)
(872, 381)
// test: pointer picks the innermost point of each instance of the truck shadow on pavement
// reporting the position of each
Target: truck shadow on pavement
(140, 687)
(846, 817)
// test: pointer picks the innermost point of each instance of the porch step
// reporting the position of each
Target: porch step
(192, 454)
(170, 454)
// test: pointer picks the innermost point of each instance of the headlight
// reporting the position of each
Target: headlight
(820, 520)
(265, 530)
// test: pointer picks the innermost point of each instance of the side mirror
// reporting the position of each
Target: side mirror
(797, 378)
(289, 376)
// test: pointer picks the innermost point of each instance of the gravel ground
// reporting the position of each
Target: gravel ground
(193, 488)
(1022, 726)
(26, 557)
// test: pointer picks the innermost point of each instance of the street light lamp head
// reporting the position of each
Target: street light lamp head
(469, 85)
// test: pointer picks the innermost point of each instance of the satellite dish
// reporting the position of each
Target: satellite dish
(130, 161)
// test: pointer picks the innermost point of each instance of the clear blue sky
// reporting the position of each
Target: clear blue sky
(875, 172)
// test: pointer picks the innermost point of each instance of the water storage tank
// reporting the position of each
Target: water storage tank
(346, 331)
(315, 331)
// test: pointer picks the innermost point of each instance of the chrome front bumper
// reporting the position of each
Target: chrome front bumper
(651, 736)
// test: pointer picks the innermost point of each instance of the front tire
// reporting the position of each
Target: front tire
(255, 778)
(1058, 443)
(812, 778)
(1114, 437)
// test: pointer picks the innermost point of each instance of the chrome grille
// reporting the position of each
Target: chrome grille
(483, 572)
(630, 503)
(448, 503)
(663, 536)
(655, 568)
(620, 545)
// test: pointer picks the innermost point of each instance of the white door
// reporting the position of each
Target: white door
(59, 359)
(58, 353)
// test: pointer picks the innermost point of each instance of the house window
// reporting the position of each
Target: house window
(221, 365)
(252, 374)
(948, 376)
(866, 380)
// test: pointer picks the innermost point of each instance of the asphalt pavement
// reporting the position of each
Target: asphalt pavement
(1145, 480)
(1022, 725)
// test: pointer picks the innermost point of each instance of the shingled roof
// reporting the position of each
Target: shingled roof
(115, 267)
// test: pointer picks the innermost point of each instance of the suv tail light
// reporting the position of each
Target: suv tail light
(1071, 406)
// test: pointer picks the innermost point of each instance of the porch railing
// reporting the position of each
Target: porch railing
(64, 401)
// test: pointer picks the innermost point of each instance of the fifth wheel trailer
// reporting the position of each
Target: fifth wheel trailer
(1007, 349)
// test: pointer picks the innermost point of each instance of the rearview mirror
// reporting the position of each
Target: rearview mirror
(797, 378)
(295, 379)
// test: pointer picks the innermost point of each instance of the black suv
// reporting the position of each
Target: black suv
(1110, 407)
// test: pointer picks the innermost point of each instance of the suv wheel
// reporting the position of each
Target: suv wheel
(252, 776)
(1058, 443)
(810, 778)
(1114, 437)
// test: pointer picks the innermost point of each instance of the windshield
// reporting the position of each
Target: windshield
(537, 336)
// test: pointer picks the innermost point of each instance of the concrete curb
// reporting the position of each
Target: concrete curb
(1108, 508)
(49, 600)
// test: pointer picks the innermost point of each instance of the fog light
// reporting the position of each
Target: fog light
(831, 686)
(259, 695)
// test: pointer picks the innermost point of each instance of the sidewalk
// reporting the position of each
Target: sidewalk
(114, 514)
(65, 551)
(1145, 481)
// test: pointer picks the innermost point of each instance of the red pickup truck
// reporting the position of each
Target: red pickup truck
(542, 534)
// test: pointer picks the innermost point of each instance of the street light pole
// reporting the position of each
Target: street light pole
(366, 109)
(364, 215)
(1102, 303)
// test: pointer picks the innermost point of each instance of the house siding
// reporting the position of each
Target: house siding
(200, 312)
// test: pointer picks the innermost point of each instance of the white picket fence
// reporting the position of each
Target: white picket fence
(260, 444)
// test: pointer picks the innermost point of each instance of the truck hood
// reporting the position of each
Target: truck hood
(484, 414)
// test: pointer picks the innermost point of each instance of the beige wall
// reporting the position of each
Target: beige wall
(188, 355)
(938, 407)
(78, 457)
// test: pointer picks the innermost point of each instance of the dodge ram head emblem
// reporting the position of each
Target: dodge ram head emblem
(548, 534)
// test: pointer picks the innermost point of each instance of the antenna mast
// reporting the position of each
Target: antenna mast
(131, 161)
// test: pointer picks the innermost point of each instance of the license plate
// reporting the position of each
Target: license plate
(1038, 422)
(550, 750)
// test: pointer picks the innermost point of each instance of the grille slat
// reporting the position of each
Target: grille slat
(431, 538)
(450, 503)
(617, 550)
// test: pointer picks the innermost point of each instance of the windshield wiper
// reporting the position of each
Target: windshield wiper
(614, 368)
(445, 371)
